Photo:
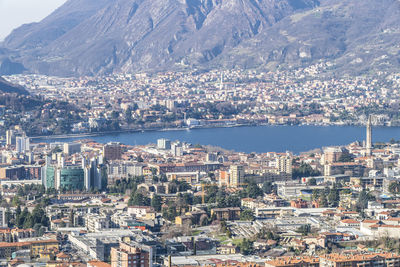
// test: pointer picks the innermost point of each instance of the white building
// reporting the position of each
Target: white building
(97, 223)
(22, 144)
(3, 222)
(164, 144)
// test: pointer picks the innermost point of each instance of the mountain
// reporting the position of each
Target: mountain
(89, 37)
(6, 87)
(354, 36)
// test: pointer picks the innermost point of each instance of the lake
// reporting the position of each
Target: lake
(252, 138)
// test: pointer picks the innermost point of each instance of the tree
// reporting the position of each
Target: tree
(246, 246)
(312, 181)
(253, 190)
(394, 188)
(333, 197)
(363, 199)
(268, 187)
(315, 194)
(128, 116)
(138, 199)
(114, 115)
(179, 186)
(323, 202)
(170, 213)
(305, 170)
(163, 178)
(155, 179)
(8, 216)
(18, 211)
(305, 229)
(20, 220)
(16, 201)
(156, 202)
(266, 233)
(346, 157)
(247, 215)
(72, 218)
(203, 220)
(228, 233)
(28, 222)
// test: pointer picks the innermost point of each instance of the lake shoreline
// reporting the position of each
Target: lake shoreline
(63, 136)
(79, 135)
(259, 139)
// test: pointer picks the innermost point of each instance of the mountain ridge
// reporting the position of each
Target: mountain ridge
(82, 38)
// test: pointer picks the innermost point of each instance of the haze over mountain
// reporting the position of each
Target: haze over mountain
(88, 37)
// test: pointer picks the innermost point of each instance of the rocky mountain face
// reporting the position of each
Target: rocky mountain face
(89, 37)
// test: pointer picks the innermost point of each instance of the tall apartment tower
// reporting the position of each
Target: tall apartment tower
(236, 175)
(284, 164)
(164, 144)
(368, 142)
(10, 137)
(22, 144)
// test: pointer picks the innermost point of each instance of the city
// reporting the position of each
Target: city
(177, 204)
(200, 99)
(188, 133)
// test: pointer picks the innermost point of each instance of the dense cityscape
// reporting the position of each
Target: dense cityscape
(188, 133)
(177, 204)
(199, 99)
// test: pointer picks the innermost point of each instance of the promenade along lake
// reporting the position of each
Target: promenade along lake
(253, 138)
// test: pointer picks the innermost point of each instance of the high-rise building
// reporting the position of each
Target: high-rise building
(93, 173)
(177, 149)
(117, 170)
(163, 144)
(3, 222)
(284, 164)
(236, 175)
(170, 104)
(72, 148)
(22, 144)
(10, 137)
(132, 255)
(368, 141)
(211, 157)
(68, 178)
(71, 178)
(112, 151)
(332, 154)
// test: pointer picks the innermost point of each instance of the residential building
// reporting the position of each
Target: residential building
(229, 214)
(132, 255)
(236, 175)
(112, 151)
(163, 144)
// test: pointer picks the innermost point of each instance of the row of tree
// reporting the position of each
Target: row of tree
(24, 219)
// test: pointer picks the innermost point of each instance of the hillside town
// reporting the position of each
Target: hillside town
(199, 133)
(201, 99)
(173, 203)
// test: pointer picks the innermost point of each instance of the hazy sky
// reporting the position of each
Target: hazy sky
(14, 13)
